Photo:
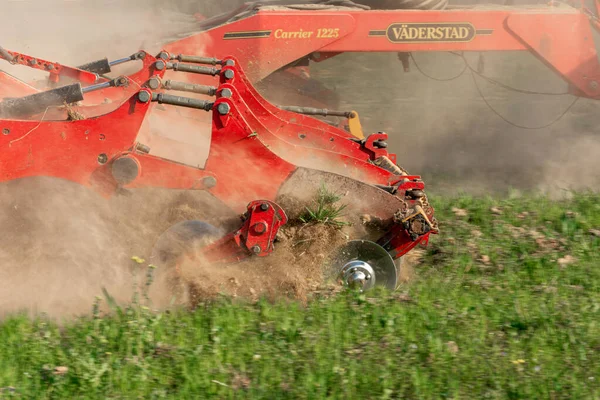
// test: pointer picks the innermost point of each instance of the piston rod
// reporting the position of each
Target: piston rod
(103, 66)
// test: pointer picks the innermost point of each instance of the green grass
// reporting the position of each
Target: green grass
(325, 209)
(491, 313)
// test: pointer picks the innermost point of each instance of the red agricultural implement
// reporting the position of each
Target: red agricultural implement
(259, 156)
(111, 133)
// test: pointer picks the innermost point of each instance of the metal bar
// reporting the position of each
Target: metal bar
(196, 69)
(198, 59)
(190, 87)
(121, 61)
(39, 102)
(180, 101)
(120, 81)
(317, 111)
(99, 86)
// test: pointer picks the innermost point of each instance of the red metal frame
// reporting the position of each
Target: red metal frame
(57, 71)
(246, 161)
(13, 87)
(561, 37)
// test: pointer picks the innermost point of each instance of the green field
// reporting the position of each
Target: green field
(505, 304)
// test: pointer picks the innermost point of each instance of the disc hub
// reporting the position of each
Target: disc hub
(358, 275)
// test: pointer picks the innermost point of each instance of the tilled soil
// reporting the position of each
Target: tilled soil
(64, 244)
(294, 269)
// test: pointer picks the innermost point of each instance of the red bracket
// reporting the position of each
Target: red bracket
(398, 242)
(55, 70)
(374, 151)
(262, 221)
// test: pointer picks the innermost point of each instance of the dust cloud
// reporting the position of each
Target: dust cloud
(77, 32)
(446, 132)
(63, 242)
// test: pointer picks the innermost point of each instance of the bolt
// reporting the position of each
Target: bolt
(256, 249)
(260, 227)
(223, 108)
(102, 158)
(125, 170)
(33, 61)
(229, 74)
(160, 65)
(5, 131)
(144, 96)
(229, 63)
(142, 148)
(50, 67)
(227, 93)
(163, 55)
(209, 182)
(153, 83)
(264, 206)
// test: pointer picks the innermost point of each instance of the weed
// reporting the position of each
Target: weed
(326, 209)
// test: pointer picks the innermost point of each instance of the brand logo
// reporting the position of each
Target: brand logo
(430, 32)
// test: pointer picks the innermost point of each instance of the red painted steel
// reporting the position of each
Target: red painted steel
(56, 70)
(262, 221)
(13, 87)
(566, 30)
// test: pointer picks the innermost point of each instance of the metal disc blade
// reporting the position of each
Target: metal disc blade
(371, 253)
